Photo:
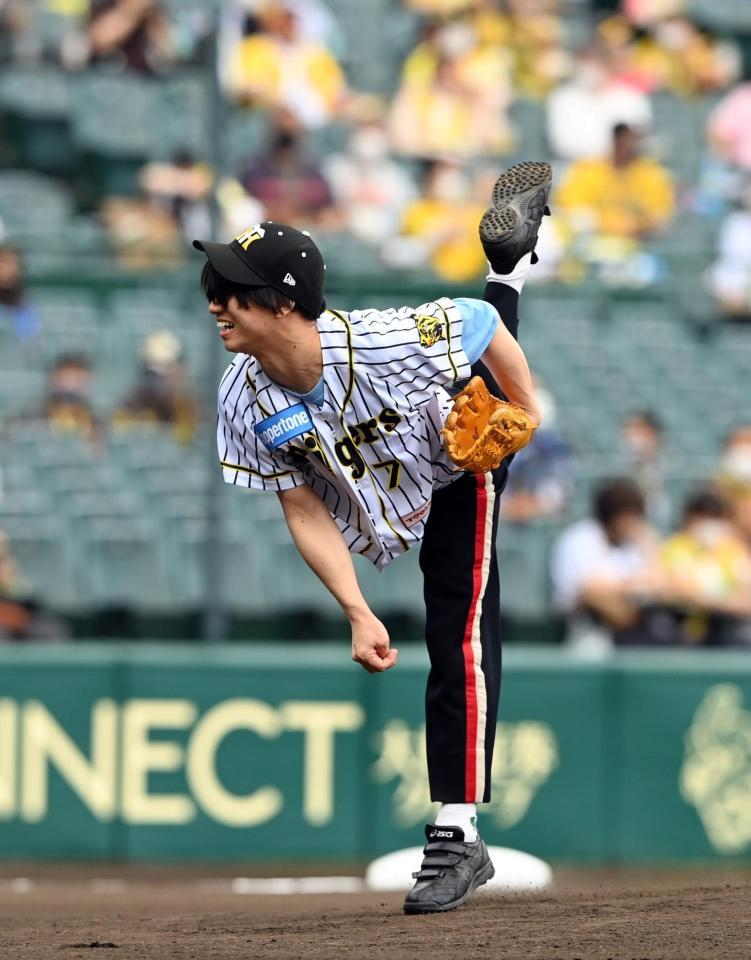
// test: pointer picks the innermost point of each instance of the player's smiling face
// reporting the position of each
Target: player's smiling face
(242, 329)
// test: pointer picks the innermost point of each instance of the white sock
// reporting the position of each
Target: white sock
(517, 276)
(462, 815)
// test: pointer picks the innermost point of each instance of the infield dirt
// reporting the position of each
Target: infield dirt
(132, 914)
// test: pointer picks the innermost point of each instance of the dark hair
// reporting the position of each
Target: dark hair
(648, 417)
(613, 498)
(218, 289)
(78, 360)
(621, 128)
(706, 503)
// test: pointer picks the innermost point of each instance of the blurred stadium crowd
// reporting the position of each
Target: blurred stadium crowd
(127, 127)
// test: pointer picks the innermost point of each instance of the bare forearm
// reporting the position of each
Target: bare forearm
(506, 361)
(321, 545)
(114, 27)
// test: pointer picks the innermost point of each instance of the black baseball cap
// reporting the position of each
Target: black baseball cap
(275, 255)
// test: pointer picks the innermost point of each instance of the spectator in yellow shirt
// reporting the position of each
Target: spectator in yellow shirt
(443, 8)
(707, 570)
(441, 226)
(279, 69)
(624, 195)
(677, 55)
(448, 118)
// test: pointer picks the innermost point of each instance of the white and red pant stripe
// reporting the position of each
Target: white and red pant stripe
(474, 678)
(462, 601)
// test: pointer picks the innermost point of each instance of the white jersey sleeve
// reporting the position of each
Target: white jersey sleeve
(246, 461)
(419, 347)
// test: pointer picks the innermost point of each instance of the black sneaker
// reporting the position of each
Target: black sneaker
(508, 228)
(451, 871)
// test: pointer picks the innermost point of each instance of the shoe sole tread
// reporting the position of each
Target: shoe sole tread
(519, 197)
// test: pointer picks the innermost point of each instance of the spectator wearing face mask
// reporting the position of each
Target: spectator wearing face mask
(623, 195)
(707, 572)
(676, 55)
(582, 113)
(161, 396)
(604, 571)
(440, 228)
(642, 443)
(277, 67)
(67, 405)
(734, 470)
(477, 46)
(450, 117)
(370, 188)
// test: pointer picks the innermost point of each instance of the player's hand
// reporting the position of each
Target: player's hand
(370, 644)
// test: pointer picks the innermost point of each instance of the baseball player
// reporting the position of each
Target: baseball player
(359, 423)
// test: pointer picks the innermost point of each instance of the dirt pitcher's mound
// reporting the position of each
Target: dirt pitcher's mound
(591, 918)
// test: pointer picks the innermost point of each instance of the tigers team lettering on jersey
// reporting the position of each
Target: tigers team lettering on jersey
(372, 451)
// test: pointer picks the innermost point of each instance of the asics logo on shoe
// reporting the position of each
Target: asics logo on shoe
(445, 834)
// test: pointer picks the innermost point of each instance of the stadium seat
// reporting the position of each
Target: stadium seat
(45, 448)
(36, 104)
(20, 388)
(727, 16)
(34, 209)
(181, 120)
(528, 121)
(677, 141)
(112, 111)
(523, 558)
(398, 588)
(42, 547)
(120, 561)
(245, 135)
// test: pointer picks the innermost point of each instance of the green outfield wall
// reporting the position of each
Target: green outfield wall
(278, 752)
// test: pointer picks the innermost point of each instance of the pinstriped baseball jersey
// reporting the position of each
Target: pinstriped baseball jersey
(373, 451)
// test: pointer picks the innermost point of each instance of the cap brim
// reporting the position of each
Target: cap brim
(228, 264)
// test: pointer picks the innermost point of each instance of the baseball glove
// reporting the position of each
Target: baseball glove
(482, 430)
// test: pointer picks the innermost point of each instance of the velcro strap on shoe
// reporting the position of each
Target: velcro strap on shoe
(439, 862)
(445, 846)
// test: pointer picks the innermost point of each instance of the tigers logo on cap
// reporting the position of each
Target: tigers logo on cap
(245, 239)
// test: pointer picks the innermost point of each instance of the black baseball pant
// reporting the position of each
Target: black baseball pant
(463, 616)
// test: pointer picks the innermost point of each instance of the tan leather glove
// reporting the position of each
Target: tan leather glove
(481, 430)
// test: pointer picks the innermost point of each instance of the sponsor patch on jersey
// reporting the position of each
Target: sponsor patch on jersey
(412, 518)
(429, 329)
(283, 426)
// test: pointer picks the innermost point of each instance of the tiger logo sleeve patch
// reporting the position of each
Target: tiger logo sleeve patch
(429, 329)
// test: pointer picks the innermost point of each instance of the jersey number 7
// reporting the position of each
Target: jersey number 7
(394, 468)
